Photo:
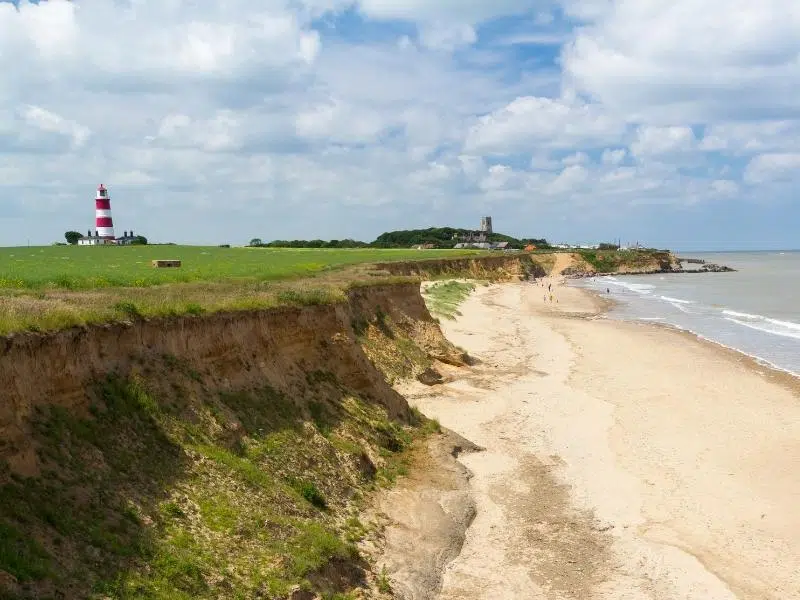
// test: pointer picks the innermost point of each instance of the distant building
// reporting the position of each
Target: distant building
(94, 240)
(472, 238)
(127, 238)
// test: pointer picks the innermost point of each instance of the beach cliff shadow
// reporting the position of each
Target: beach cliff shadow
(100, 520)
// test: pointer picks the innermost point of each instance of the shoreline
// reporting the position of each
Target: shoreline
(757, 363)
(614, 460)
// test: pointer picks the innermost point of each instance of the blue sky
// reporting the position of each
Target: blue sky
(676, 124)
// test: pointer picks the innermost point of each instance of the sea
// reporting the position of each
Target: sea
(755, 310)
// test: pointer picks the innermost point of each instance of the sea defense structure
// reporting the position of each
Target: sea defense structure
(103, 221)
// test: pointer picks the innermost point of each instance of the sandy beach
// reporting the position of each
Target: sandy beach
(618, 461)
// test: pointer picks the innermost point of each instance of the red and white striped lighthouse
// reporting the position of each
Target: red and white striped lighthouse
(103, 221)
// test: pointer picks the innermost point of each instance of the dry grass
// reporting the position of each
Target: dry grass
(60, 309)
(444, 297)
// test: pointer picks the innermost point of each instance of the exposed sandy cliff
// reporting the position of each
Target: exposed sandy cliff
(502, 267)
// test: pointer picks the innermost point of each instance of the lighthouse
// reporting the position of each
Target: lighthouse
(103, 221)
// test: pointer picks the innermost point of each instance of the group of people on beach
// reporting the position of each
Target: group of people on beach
(549, 294)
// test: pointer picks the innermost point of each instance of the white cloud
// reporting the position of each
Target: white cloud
(109, 40)
(50, 122)
(337, 122)
(434, 173)
(613, 157)
(725, 187)
(222, 132)
(579, 158)
(498, 177)
(568, 180)
(652, 141)
(689, 59)
(51, 31)
(529, 122)
(752, 137)
(766, 168)
(441, 36)
(543, 162)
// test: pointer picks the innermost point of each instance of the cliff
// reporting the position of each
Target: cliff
(611, 262)
(502, 267)
(206, 456)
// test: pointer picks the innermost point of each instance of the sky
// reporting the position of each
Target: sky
(675, 124)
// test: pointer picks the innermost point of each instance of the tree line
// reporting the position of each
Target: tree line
(440, 237)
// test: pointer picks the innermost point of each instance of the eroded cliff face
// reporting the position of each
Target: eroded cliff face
(207, 456)
(231, 351)
(586, 264)
(513, 267)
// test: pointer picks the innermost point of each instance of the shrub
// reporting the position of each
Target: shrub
(129, 309)
(311, 493)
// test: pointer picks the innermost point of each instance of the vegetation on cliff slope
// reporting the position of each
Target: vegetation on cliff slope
(611, 261)
(444, 297)
(171, 487)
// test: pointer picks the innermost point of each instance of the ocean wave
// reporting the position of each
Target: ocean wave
(639, 288)
(755, 319)
(767, 327)
(677, 300)
(733, 313)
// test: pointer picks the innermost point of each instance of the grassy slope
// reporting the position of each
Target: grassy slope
(444, 297)
(170, 489)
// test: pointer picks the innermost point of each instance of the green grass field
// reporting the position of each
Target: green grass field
(84, 268)
(55, 287)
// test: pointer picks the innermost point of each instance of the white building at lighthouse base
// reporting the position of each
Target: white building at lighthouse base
(95, 241)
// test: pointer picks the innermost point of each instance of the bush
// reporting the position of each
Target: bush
(129, 309)
(311, 493)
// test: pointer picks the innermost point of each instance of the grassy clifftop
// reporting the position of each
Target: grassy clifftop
(624, 261)
(60, 295)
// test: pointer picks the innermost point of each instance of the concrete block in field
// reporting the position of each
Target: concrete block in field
(164, 264)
